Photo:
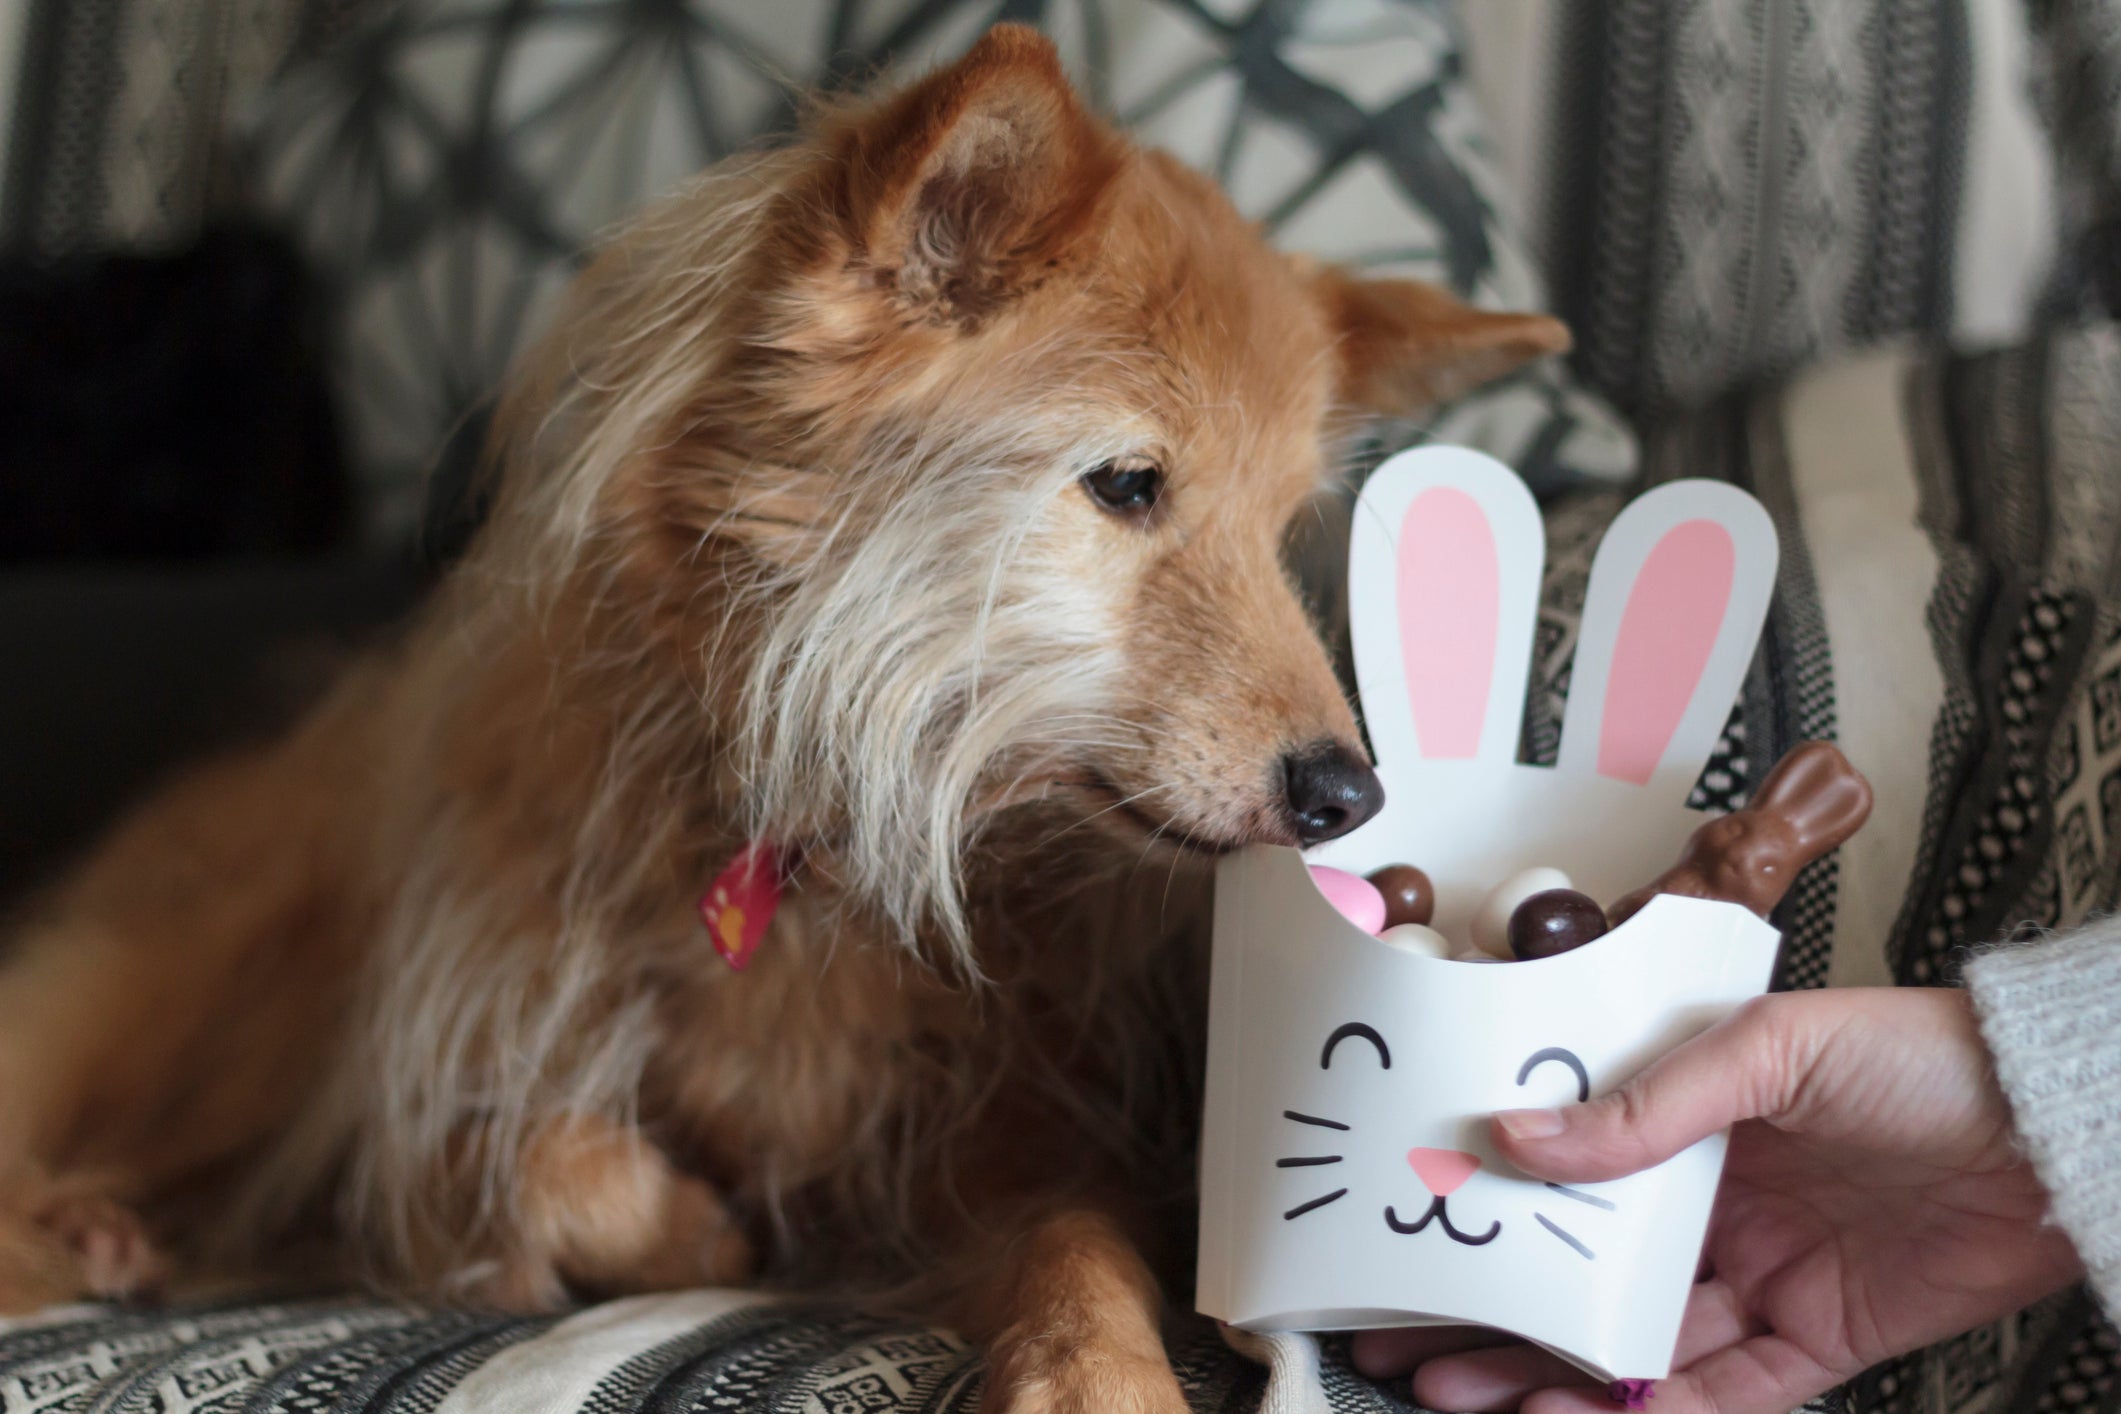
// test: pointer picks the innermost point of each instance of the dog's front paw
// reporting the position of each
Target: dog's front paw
(64, 1241)
(1048, 1376)
(520, 1284)
(117, 1258)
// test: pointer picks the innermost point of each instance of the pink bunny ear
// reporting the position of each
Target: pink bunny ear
(1673, 615)
(1674, 607)
(1443, 593)
(1450, 588)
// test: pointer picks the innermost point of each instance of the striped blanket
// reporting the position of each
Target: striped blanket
(687, 1353)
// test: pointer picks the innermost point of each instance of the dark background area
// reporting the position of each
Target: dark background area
(179, 561)
(116, 672)
(177, 548)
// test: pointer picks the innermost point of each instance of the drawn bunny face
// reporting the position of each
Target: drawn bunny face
(1407, 1213)
(1438, 1173)
(1347, 1178)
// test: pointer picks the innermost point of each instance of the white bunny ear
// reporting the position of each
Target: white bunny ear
(1674, 608)
(1443, 590)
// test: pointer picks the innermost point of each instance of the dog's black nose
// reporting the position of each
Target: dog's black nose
(1330, 790)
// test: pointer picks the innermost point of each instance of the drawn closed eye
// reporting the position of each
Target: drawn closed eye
(1567, 1058)
(1563, 1056)
(1362, 1031)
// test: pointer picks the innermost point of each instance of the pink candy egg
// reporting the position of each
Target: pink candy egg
(1356, 897)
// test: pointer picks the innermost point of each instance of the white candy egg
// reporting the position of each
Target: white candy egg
(1491, 921)
(1416, 937)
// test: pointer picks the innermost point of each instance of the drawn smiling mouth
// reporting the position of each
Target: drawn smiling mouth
(1439, 1214)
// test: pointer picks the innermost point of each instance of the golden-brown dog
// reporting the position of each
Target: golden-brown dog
(912, 498)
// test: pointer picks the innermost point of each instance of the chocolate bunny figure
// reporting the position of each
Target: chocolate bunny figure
(1810, 803)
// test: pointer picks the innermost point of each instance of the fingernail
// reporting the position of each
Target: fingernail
(1531, 1124)
(1632, 1394)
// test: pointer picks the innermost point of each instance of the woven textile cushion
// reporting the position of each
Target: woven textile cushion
(1737, 187)
(688, 1353)
(449, 161)
(112, 114)
(1948, 608)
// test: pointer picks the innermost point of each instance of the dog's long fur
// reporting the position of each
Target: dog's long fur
(791, 543)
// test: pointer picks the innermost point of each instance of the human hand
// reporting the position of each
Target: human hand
(1873, 1202)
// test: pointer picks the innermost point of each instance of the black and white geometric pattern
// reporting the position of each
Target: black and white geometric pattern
(195, 1363)
(2019, 454)
(726, 1357)
(1994, 871)
(2085, 1377)
(1743, 185)
(123, 111)
(447, 163)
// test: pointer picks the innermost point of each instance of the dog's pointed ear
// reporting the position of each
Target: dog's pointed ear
(1405, 346)
(964, 188)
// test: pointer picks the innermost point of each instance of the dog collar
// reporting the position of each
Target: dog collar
(742, 900)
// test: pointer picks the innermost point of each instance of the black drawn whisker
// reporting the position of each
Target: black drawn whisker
(1301, 1208)
(1582, 1251)
(1592, 1198)
(1307, 1163)
(1313, 1119)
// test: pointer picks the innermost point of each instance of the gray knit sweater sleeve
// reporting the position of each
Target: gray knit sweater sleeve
(2051, 1014)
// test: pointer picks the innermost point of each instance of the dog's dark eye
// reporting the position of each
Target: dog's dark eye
(1126, 488)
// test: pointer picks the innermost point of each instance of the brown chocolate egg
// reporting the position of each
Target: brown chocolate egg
(1553, 922)
(1409, 896)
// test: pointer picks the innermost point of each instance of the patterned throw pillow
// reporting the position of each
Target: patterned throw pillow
(1740, 186)
(449, 162)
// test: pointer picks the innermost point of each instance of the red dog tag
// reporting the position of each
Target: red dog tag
(741, 901)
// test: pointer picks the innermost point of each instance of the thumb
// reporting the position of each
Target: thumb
(1750, 1064)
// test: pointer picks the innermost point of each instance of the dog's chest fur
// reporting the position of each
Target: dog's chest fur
(858, 1105)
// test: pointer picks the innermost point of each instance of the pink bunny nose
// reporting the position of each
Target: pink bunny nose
(1441, 1171)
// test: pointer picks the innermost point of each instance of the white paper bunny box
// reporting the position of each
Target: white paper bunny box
(1347, 1177)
